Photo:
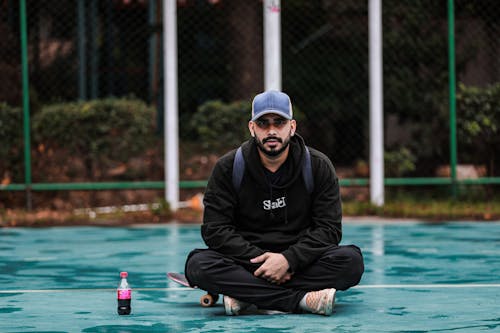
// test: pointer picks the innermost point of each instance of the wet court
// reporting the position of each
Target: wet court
(419, 278)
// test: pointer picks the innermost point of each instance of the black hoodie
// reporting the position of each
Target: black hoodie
(278, 216)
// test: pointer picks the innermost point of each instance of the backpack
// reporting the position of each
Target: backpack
(239, 170)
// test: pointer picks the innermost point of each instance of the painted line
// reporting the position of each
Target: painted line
(369, 286)
(428, 286)
(15, 291)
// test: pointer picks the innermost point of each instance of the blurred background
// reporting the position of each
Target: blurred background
(96, 92)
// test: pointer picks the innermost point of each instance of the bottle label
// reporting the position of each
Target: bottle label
(124, 294)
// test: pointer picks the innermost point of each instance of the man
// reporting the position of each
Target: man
(272, 242)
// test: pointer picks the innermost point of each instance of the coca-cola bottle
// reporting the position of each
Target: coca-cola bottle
(124, 294)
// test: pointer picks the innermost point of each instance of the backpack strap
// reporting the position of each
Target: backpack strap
(239, 170)
(307, 172)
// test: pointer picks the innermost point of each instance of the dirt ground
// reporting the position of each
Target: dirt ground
(48, 218)
(109, 208)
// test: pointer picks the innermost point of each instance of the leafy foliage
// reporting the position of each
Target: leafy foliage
(220, 126)
(399, 162)
(478, 123)
(99, 130)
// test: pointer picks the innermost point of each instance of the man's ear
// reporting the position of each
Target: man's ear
(250, 128)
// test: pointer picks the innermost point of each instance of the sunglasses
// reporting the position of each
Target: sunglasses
(266, 123)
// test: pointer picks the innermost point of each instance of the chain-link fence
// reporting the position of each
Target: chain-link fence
(10, 55)
(87, 50)
(325, 70)
(80, 51)
(478, 118)
(416, 76)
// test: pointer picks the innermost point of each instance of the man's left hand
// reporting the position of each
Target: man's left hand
(274, 267)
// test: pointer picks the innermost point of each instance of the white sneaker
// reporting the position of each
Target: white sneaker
(233, 307)
(320, 302)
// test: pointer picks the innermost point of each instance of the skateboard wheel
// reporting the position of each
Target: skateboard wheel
(208, 300)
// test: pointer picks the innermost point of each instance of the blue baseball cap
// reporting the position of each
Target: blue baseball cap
(272, 101)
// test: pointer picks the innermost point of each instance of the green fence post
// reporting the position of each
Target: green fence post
(82, 59)
(152, 73)
(453, 102)
(26, 102)
(94, 49)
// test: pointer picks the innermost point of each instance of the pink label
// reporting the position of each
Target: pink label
(125, 294)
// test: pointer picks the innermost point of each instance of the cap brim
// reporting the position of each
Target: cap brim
(278, 112)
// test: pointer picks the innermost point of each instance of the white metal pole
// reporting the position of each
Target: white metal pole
(272, 44)
(171, 131)
(376, 104)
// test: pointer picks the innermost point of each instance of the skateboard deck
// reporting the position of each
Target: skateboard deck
(206, 300)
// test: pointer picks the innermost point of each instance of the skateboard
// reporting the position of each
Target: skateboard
(206, 300)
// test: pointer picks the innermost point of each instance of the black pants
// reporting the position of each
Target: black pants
(340, 267)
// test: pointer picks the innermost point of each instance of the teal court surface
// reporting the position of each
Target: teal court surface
(419, 278)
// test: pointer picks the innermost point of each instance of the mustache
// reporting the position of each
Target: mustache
(272, 138)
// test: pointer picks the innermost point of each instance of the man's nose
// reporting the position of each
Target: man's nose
(273, 130)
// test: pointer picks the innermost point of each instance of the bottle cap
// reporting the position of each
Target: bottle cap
(123, 274)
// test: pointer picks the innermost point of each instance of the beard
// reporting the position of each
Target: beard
(272, 152)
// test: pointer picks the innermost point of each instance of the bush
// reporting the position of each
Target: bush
(220, 126)
(399, 162)
(478, 124)
(97, 131)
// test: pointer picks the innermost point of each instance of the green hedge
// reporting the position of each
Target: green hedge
(114, 128)
(220, 126)
(97, 131)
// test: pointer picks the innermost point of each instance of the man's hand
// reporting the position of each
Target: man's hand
(274, 267)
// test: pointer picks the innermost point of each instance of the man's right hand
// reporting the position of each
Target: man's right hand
(274, 267)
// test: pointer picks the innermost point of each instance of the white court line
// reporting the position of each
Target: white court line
(428, 286)
(14, 291)
(368, 286)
